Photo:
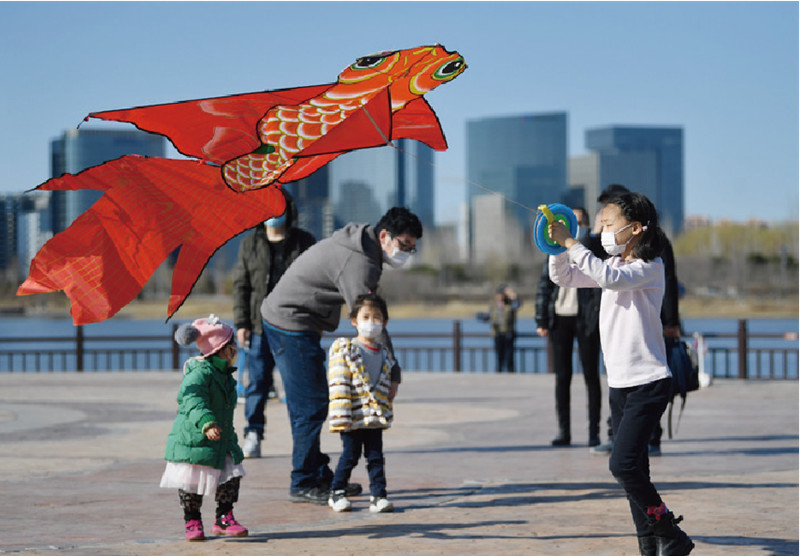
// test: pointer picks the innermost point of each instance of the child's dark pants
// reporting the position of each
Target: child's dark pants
(371, 440)
(635, 412)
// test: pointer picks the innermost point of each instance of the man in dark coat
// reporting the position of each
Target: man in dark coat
(264, 256)
(564, 315)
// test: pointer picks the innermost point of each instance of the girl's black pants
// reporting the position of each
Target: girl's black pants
(635, 412)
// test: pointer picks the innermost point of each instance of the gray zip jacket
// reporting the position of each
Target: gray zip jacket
(332, 272)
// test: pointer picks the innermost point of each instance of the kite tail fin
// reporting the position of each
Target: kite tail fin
(150, 208)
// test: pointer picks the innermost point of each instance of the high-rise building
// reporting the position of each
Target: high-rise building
(524, 158)
(8, 225)
(31, 228)
(79, 149)
(364, 184)
(314, 211)
(498, 235)
(648, 160)
(583, 173)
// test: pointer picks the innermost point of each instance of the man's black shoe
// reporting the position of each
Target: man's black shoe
(561, 440)
(313, 495)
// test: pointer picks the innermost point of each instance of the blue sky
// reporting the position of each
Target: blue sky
(725, 71)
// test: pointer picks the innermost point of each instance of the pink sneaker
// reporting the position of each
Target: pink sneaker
(227, 526)
(194, 530)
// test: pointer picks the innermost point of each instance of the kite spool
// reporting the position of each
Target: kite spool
(551, 213)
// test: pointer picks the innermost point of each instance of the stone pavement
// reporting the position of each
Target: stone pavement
(469, 467)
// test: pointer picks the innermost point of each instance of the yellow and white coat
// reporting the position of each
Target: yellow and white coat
(354, 404)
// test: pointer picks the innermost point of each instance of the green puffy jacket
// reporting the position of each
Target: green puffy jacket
(207, 395)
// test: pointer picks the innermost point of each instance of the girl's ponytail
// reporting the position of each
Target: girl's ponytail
(638, 208)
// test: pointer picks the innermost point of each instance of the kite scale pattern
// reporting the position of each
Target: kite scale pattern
(286, 132)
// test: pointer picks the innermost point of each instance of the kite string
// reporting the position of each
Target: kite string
(432, 165)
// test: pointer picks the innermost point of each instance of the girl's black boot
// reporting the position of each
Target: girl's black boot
(648, 546)
(670, 540)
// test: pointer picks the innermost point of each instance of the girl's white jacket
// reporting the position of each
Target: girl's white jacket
(631, 334)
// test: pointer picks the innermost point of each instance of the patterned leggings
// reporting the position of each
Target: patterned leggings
(227, 495)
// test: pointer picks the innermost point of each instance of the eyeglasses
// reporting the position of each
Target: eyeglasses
(405, 246)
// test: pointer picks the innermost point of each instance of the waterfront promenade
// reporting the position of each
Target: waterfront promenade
(469, 465)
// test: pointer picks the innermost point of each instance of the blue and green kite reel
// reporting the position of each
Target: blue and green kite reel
(551, 213)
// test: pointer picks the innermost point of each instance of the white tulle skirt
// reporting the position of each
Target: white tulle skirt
(199, 479)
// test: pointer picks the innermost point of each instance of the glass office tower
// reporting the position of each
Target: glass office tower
(311, 195)
(79, 149)
(366, 183)
(522, 157)
(644, 159)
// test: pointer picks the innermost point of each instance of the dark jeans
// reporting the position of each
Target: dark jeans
(655, 439)
(371, 441)
(259, 370)
(301, 362)
(635, 412)
(504, 349)
(562, 337)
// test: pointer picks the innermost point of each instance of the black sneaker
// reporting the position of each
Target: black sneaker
(561, 440)
(352, 489)
(313, 495)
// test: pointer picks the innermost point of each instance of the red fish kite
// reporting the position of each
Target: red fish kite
(244, 146)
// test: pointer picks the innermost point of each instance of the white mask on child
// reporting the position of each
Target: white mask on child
(609, 241)
(369, 329)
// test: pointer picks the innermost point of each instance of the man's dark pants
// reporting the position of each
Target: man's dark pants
(301, 362)
(504, 348)
(259, 371)
(562, 337)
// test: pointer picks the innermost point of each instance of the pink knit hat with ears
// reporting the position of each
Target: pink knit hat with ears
(210, 334)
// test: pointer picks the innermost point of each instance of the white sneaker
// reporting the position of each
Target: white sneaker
(252, 445)
(339, 502)
(380, 505)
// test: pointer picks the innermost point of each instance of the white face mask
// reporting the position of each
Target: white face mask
(369, 329)
(397, 258)
(609, 241)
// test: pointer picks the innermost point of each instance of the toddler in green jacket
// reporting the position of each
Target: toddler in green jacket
(203, 454)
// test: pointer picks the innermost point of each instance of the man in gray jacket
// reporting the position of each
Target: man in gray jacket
(264, 255)
(307, 301)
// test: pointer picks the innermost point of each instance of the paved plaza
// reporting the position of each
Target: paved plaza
(469, 466)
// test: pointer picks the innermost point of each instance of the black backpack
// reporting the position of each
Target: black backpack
(685, 374)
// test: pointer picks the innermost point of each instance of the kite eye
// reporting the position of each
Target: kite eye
(449, 69)
(368, 62)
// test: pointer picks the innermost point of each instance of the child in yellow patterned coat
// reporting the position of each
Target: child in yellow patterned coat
(359, 382)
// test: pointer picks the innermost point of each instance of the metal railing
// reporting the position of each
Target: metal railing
(455, 351)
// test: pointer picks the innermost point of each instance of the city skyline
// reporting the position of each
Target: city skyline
(604, 64)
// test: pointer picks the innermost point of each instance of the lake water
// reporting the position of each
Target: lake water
(529, 360)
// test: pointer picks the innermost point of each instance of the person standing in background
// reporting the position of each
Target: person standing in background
(502, 316)
(562, 316)
(264, 256)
